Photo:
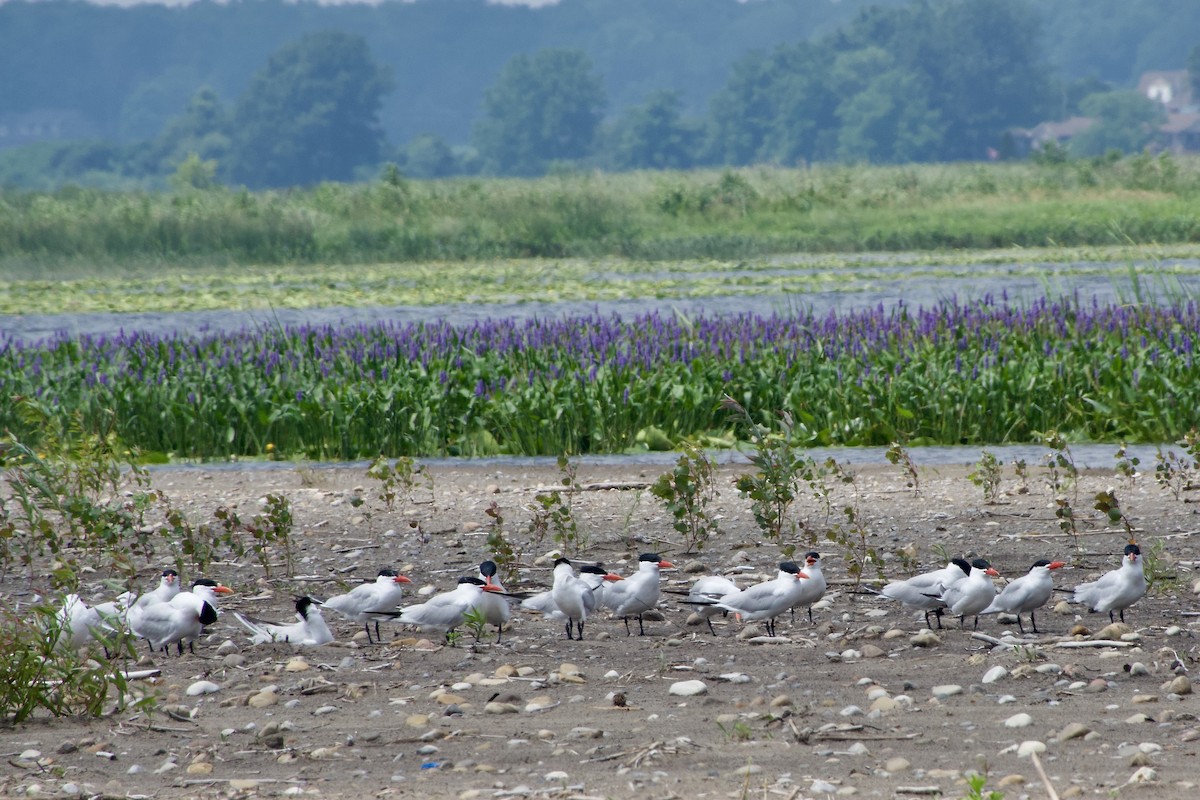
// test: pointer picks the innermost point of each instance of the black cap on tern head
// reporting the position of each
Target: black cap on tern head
(594, 569)
(487, 568)
(169, 571)
(962, 564)
(1041, 562)
(812, 554)
(387, 572)
(470, 579)
(650, 557)
(558, 561)
(1132, 548)
(205, 582)
(789, 566)
(303, 604)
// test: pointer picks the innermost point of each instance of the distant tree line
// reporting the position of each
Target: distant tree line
(934, 80)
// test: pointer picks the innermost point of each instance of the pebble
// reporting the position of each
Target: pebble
(1143, 775)
(994, 674)
(822, 787)
(897, 764)
(557, 776)
(871, 651)
(1113, 631)
(748, 769)
(688, 688)
(266, 697)
(1181, 685)
(202, 687)
(1074, 730)
(946, 690)
(1029, 747)
(1011, 780)
(500, 708)
(1138, 668)
(297, 664)
(1018, 721)
(734, 677)
(925, 638)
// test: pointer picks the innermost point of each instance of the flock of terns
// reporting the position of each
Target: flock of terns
(169, 616)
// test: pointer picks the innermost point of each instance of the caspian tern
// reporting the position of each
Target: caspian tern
(766, 600)
(812, 588)
(922, 592)
(576, 597)
(638, 593)
(495, 607)
(443, 612)
(79, 624)
(594, 577)
(383, 594)
(1026, 594)
(1118, 589)
(309, 629)
(168, 587)
(706, 592)
(164, 624)
(971, 596)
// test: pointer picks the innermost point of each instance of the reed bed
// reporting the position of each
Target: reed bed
(982, 372)
(727, 214)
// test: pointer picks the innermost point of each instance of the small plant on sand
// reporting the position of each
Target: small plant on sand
(1127, 465)
(500, 548)
(850, 535)
(269, 532)
(687, 491)
(896, 454)
(398, 479)
(475, 622)
(987, 475)
(1061, 472)
(1108, 504)
(976, 784)
(1176, 472)
(551, 512)
(1021, 471)
(778, 464)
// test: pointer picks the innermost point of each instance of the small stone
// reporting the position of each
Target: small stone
(1137, 668)
(202, 687)
(417, 720)
(897, 764)
(822, 787)
(871, 651)
(1143, 775)
(1064, 608)
(227, 647)
(781, 701)
(884, 705)
(1137, 719)
(1011, 780)
(946, 690)
(925, 638)
(297, 664)
(1113, 631)
(1181, 685)
(450, 699)
(199, 768)
(1018, 721)
(1074, 730)
(1029, 747)
(688, 688)
(585, 733)
(748, 769)
(263, 699)
(994, 674)
(500, 708)
(1140, 760)
(557, 776)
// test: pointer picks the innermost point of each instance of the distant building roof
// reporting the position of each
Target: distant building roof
(1172, 88)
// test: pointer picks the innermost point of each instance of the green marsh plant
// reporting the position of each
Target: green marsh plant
(552, 512)
(896, 454)
(987, 475)
(687, 490)
(779, 464)
(1177, 472)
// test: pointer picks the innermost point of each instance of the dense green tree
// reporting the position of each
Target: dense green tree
(541, 109)
(311, 114)
(201, 130)
(888, 119)
(1125, 121)
(654, 135)
(429, 156)
(1193, 70)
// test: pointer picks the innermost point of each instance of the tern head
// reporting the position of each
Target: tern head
(654, 558)
(981, 563)
(812, 557)
(170, 576)
(791, 568)
(304, 603)
(488, 569)
(1133, 552)
(566, 561)
(962, 564)
(598, 569)
(217, 588)
(1048, 564)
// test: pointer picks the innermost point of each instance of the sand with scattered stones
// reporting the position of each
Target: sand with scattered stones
(851, 706)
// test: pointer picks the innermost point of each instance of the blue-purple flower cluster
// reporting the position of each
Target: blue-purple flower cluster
(986, 371)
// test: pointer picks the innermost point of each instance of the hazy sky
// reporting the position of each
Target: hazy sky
(531, 3)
